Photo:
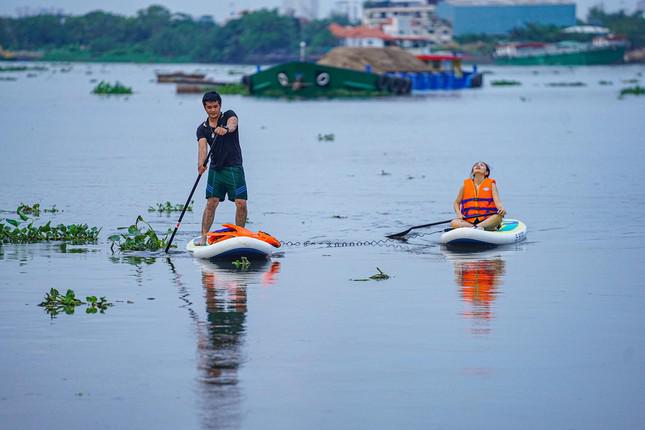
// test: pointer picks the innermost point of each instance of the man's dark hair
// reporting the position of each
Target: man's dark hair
(212, 96)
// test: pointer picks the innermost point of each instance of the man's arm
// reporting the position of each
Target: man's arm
(202, 146)
(231, 125)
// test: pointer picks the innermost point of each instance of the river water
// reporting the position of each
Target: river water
(545, 334)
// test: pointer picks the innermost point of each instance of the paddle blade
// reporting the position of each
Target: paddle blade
(398, 235)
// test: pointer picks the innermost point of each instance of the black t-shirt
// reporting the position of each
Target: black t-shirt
(227, 151)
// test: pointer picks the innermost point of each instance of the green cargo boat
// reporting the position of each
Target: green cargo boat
(303, 79)
(567, 53)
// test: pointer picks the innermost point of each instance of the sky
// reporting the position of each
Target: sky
(219, 9)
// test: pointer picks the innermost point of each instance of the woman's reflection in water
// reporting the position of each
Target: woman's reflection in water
(479, 281)
(221, 336)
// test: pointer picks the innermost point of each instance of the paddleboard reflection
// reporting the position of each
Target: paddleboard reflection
(221, 336)
(479, 281)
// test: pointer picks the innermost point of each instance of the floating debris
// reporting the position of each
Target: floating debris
(380, 276)
(326, 137)
(505, 83)
(566, 84)
(605, 83)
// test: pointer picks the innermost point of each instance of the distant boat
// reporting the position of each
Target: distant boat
(600, 51)
(304, 79)
(180, 77)
(446, 73)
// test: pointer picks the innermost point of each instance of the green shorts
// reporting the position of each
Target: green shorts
(228, 180)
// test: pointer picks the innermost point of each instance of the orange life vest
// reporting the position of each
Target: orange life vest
(478, 200)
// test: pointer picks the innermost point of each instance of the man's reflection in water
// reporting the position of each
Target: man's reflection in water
(478, 281)
(221, 336)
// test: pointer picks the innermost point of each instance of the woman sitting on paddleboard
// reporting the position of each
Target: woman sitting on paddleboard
(478, 203)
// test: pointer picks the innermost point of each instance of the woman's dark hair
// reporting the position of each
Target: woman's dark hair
(212, 96)
(485, 164)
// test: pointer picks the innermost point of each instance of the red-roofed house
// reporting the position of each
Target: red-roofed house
(360, 36)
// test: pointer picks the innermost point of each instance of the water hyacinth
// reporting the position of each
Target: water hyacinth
(55, 303)
(169, 207)
(140, 236)
(107, 88)
(23, 230)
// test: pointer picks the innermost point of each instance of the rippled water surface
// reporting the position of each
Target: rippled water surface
(546, 334)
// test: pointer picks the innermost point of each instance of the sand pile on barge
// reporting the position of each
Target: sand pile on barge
(391, 59)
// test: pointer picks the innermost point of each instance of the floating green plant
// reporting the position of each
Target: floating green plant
(242, 264)
(23, 230)
(380, 276)
(56, 303)
(107, 88)
(566, 84)
(632, 91)
(13, 69)
(329, 137)
(29, 210)
(505, 83)
(34, 209)
(169, 207)
(140, 236)
(232, 89)
(603, 82)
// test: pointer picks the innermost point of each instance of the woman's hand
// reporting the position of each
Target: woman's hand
(501, 211)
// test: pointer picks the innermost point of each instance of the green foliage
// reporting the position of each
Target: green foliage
(169, 207)
(505, 83)
(28, 210)
(140, 236)
(13, 69)
(232, 89)
(631, 26)
(632, 91)
(24, 230)
(107, 88)
(155, 35)
(242, 264)
(55, 303)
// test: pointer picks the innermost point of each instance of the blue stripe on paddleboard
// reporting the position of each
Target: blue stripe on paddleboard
(239, 252)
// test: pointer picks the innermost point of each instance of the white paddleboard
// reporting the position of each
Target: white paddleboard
(235, 247)
(511, 231)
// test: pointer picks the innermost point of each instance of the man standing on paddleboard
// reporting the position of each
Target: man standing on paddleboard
(225, 173)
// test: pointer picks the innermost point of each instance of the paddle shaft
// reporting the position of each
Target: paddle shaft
(199, 176)
(403, 233)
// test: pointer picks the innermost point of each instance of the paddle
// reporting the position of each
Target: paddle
(403, 233)
(199, 176)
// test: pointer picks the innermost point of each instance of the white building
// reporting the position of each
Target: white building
(411, 20)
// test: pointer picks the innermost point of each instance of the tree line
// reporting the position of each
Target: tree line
(157, 34)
